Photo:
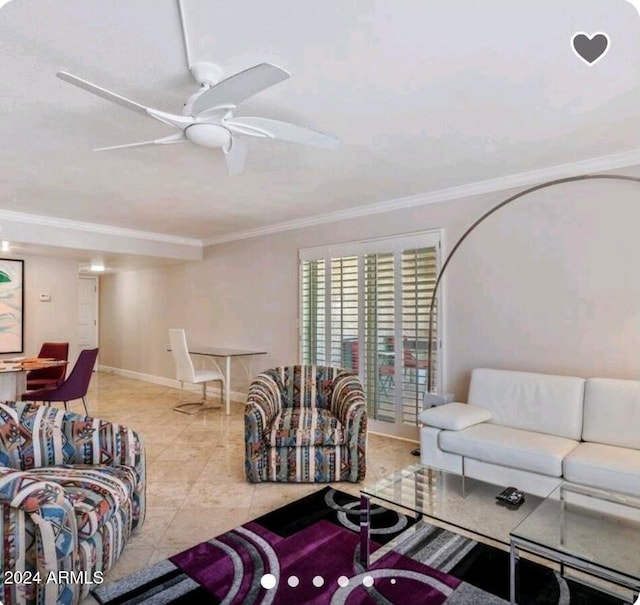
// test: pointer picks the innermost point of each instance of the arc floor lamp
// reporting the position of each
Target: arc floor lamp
(585, 177)
(430, 392)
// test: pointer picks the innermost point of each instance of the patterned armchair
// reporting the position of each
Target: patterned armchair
(305, 424)
(72, 489)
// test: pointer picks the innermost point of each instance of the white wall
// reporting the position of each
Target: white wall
(547, 284)
(134, 320)
(55, 320)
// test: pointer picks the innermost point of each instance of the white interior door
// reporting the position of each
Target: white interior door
(87, 313)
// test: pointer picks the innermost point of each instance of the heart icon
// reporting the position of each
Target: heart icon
(590, 48)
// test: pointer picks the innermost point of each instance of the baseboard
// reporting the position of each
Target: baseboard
(398, 437)
(237, 396)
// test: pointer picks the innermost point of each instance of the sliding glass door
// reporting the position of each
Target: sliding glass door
(364, 306)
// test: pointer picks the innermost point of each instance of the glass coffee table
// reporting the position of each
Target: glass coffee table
(438, 496)
(592, 531)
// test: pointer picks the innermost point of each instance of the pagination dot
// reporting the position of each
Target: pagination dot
(317, 581)
(293, 581)
(268, 581)
(367, 581)
(343, 581)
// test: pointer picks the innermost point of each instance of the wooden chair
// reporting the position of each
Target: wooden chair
(49, 378)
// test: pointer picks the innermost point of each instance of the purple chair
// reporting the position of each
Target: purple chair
(74, 387)
(48, 378)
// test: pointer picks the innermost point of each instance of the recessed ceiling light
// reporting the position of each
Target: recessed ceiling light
(97, 266)
(5, 246)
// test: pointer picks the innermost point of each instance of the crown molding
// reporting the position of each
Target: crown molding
(62, 223)
(521, 179)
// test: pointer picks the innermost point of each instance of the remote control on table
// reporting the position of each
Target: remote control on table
(511, 495)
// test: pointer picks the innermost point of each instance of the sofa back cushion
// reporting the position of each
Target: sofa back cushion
(543, 403)
(612, 412)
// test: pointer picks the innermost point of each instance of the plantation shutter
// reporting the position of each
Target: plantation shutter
(379, 330)
(419, 272)
(344, 313)
(313, 312)
(365, 307)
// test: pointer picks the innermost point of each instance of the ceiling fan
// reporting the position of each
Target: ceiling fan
(207, 116)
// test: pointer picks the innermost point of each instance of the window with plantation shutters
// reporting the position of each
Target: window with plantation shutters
(365, 307)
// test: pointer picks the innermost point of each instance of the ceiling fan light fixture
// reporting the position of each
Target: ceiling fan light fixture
(208, 135)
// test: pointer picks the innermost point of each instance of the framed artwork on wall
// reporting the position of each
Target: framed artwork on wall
(11, 305)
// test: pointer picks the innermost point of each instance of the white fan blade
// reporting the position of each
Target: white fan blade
(101, 92)
(172, 119)
(265, 127)
(235, 89)
(236, 155)
(171, 139)
(177, 121)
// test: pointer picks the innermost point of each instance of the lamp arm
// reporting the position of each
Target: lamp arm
(486, 215)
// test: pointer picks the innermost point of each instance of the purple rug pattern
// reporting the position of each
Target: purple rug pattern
(231, 567)
(310, 547)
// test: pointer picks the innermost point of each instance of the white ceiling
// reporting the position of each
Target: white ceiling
(423, 95)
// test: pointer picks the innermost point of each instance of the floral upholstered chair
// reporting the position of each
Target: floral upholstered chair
(305, 424)
(72, 488)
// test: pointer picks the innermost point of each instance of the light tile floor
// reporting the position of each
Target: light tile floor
(195, 469)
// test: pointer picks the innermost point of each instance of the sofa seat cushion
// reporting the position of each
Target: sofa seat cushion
(604, 466)
(454, 416)
(303, 427)
(525, 450)
(96, 492)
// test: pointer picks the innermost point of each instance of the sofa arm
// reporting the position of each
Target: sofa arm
(99, 442)
(95, 441)
(349, 406)
(454, 416)
(347, 398)
(39, 534)
(264, 402)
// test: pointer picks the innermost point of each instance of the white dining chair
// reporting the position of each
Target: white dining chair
(185, 372)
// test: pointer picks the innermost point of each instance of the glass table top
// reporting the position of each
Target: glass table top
(598, 527)
(438, 495)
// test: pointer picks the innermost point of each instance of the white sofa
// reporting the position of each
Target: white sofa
(534, 430)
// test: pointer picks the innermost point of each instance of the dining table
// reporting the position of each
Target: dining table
(13, 374)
